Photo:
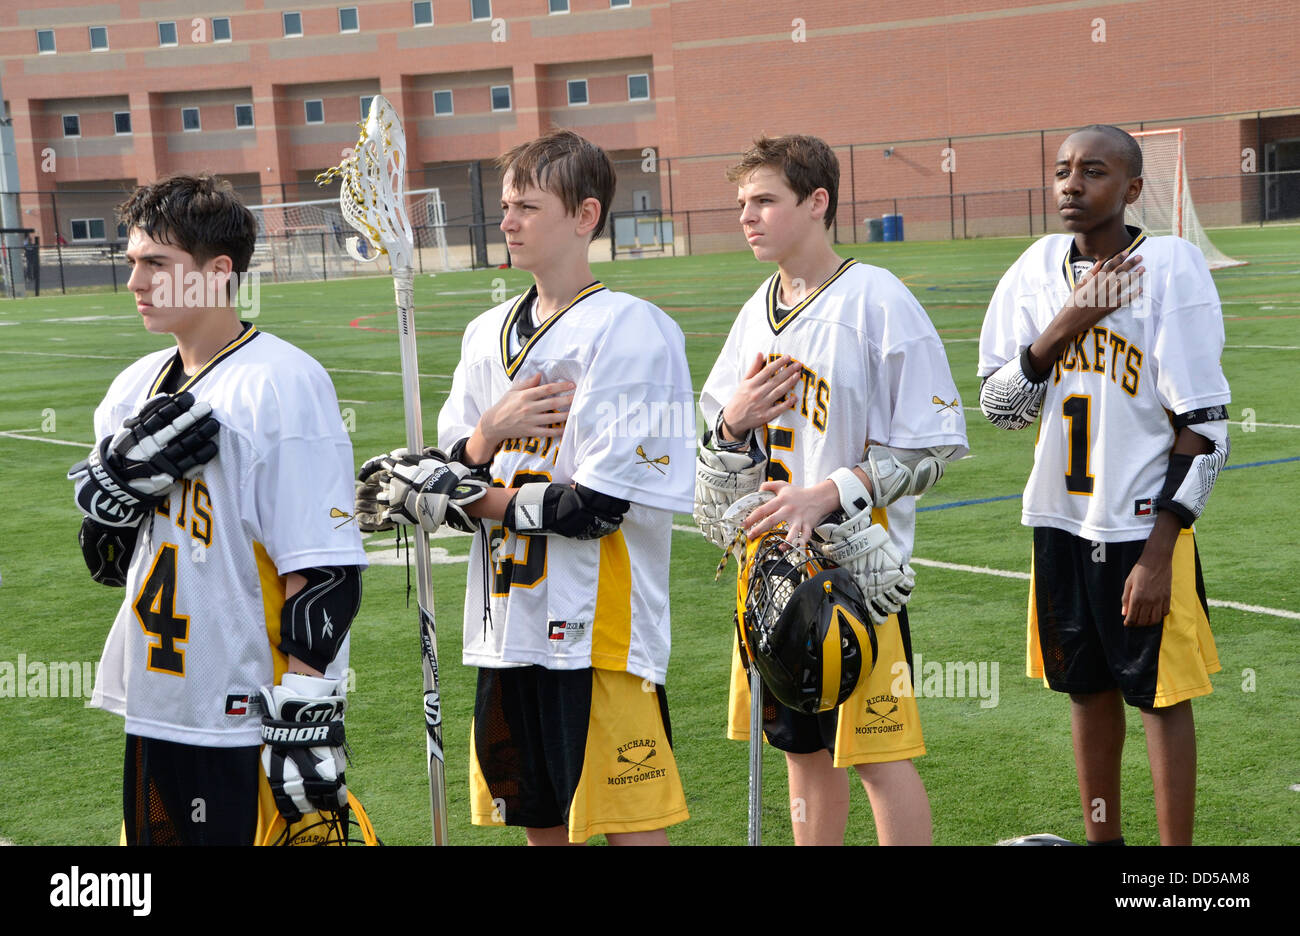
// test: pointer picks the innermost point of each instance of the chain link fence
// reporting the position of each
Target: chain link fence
(990, 185)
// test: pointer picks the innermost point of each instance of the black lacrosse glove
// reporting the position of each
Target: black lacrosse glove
(129, 473)
(303, 750)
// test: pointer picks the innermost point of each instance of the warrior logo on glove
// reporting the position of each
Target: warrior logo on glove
(128, 473)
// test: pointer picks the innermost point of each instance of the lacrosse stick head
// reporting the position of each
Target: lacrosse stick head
(373, 194)
(804, 624)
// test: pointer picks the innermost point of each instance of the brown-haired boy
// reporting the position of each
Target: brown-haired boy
(576, 403)
(827, 394)
(208, 497)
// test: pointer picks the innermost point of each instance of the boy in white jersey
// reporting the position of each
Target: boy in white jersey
(575, 403)
(835, 386)
(209, 498)
(1115, 337)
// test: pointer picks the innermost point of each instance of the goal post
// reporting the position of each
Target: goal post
(1165, 205)
(305, 240)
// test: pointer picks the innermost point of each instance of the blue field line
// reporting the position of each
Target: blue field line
(1004, 497)
(1274, 461)
(967, 503)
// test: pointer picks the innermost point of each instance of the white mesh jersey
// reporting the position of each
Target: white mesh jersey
(1106, 431)
(200, 622)
(874, 370)
(566, 603)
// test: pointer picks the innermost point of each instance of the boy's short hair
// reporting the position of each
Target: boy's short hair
(806, 162)
(564, 164)
(199, 214)
(1128, 146)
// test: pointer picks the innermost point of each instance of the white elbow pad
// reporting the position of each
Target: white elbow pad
(1012, 396)
(1191, 477)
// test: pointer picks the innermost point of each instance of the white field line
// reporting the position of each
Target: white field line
(1238, 422)
(384, 373)
(19, 434)
(1005, 573)
(95, 357)
(1024, 576)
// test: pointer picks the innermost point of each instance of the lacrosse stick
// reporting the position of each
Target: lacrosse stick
(732, 520)
(373, 200)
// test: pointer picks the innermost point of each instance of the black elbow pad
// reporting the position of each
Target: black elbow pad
(107, 551)
(577, 512)
(317, 617)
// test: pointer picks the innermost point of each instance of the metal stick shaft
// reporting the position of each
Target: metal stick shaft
(403, 283)
(755, 756)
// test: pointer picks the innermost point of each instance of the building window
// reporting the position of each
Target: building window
(422, 12)
(501, 97)
(98, 38)
(365, 105)
(577, 91)
(45, 41)
(558, 6)
(442, 103)
(190, 119)
(348, 21)
(615, 4)
(638, 87)
(87, 229)
(292, 24)
(480, 9)
(71, 125)
(167, 34)
(221, 29)
(243, 115)
(315, 111)
(121, 122)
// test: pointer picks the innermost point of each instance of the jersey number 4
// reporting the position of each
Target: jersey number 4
(1077, 410)
(155, 607)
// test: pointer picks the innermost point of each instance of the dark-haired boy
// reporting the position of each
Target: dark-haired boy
(1119, 350)
(209, 498)
(832, 391)
(576, 401)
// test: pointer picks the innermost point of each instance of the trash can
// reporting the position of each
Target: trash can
(893, 227)
(875, 230)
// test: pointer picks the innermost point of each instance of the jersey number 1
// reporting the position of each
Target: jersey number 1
(1077, 410)
(155, 607)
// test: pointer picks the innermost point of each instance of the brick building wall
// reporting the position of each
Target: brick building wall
(870, 76)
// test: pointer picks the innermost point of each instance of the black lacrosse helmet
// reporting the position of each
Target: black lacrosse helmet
(804, 625)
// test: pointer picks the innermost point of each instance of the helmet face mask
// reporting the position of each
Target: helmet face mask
(803, 624)
(348, 826)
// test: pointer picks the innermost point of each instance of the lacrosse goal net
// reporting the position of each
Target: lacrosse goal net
(1165, 205)
(305, 240)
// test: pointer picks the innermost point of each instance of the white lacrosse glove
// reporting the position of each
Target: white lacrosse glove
(303, 750)
(721, 479)
(410, 490)
(426, 489)
(734, 517)
(866, 550)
